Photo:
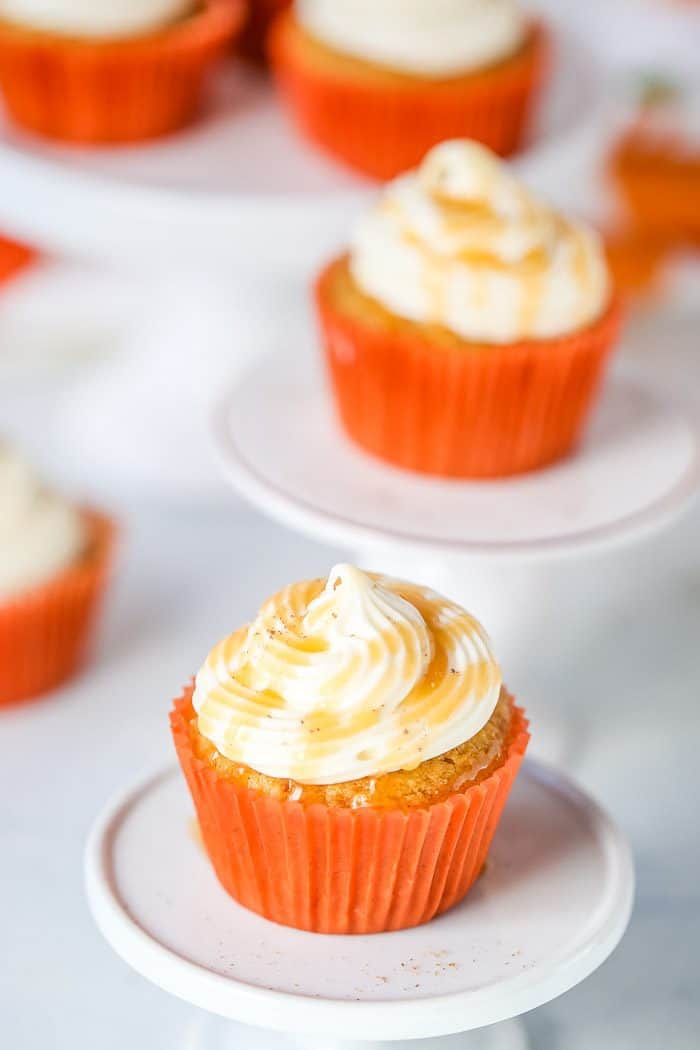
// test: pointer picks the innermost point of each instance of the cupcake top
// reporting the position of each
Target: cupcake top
(433, 38)
(460, 242)
(349, 677)
(95, 18)
(40, 533)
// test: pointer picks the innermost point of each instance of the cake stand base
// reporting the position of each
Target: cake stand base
(214, 1034)
(551, 904)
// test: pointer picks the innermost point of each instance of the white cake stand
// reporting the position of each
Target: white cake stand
(552, 904)
(504, 548)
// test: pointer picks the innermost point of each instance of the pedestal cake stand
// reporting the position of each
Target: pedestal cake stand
(499, 546)
(552, 904)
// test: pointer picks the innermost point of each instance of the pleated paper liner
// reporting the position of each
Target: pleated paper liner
(261, 14)
(382, 124)
(44, 632)
(339, 870)
(110, 91)
(460, 409)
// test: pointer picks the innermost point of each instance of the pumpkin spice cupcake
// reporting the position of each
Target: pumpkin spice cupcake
(349, 754)
(656, 165)
(377, 84)
(54, 565)
(95, 71)
(468, 328)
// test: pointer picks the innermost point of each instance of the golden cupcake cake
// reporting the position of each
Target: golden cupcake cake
(467, 329)
(349, 754)
(377, 84)
(54, 565)
(96, 71)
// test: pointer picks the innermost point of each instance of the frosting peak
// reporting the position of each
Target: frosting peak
(460, 242)
(350, 677)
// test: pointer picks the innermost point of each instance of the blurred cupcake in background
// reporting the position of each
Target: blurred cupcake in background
(54, 563)
(468, 328)
(376, 84)
(656, 164)
(349, 754)
(95, 71)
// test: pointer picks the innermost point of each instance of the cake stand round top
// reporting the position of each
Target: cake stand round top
(282, 448)
(239, 187)
(552, 903)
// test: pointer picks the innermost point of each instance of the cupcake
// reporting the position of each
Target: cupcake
(656, 165)
(349, 754)
(377, 84)
(95, 71)
(467, 330)
(54, 561)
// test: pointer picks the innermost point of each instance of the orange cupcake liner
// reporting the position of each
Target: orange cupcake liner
(470, 411)
(661, 197)
(337, 870)
(14, 257)
(111, 91)
(382, 130)
(44, 632)
(636, 260)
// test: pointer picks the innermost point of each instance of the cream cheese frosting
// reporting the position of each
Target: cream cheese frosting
(353, 676)
(40, 533)
(95, 18)
(433, 38)
(461, 243)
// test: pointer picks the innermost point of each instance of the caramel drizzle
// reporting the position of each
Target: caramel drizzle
(278, 636)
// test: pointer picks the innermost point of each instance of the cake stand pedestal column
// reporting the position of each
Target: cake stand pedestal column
(215, 1034)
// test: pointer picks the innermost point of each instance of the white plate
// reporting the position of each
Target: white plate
(552, 904)
(280, 445)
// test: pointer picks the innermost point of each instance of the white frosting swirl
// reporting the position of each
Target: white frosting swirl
(461, 243)
(95, 18)
(433, 38)
(40, 533)
(358, 677)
